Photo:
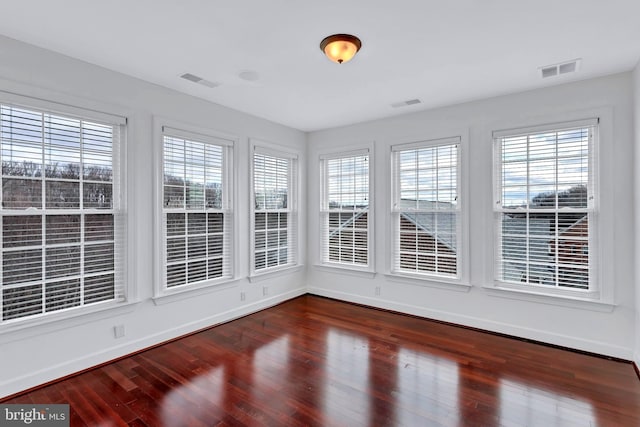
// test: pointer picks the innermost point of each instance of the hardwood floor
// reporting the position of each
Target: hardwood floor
(314, 361)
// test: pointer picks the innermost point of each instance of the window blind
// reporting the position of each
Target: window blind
(274, 212)
(545, 201)
(197, 216)
(345, 209)
(63, 228)
(426, 207)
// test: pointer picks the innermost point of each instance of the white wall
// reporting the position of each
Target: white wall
(36, 355)
(636, 151)
(609, 332)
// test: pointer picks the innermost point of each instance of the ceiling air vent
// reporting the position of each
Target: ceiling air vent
(199, 80)
(405, 103)
(558, 69)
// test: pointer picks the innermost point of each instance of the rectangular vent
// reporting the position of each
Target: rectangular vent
(549, 71)
(195, 79)
(405, 103)
(191, 77)
(558, 69)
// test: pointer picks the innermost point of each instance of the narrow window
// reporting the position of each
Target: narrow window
(274, 210)
(426, 208)
(197, 215)
(345, 214)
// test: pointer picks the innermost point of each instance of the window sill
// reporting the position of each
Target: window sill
(551, 299)
(63, 320)
(430, 281)
(190, 292)
(344, 269)
(264, 275)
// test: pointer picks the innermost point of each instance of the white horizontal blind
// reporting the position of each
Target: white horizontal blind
(197, 216)
(345, 210)
(63, 230)
(274, 212)
(426, 208)
(545, 200)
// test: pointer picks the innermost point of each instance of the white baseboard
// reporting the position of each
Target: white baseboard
(50, 373)
(488, 325)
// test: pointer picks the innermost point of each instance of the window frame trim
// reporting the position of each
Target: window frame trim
(602, 296)
(161, 293)
(323, 157)
(72, 107)
(261, 146)
(462, 282)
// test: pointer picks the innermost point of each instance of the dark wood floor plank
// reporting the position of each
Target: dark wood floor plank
(318, 362)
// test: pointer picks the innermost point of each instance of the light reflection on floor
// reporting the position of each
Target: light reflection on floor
(417, 387)
(522, 404)
(201, 396)
(427, 388)
(347, 378)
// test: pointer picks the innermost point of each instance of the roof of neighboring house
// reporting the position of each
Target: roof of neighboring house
(441, 223)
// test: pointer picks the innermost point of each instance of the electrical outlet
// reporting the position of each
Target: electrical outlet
(377, 290)
(118, 331)
(242, 296)
(265, 291)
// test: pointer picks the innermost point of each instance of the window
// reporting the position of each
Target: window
(545, 203)
(345, 214)
(62, 223)
(426, 208)
(197, 218)
(274, 210)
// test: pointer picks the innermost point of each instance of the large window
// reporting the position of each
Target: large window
(545, 202)
(62, 228)
(197, 216)
(426, 208)
(345, 214)
(274, 224)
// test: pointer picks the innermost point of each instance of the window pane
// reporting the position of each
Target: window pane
(21, 266)
(61, 295)
(21, 193)
(62, 195)
(63, 229)
(21, 231)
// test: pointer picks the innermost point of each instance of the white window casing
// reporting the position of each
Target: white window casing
(63, 224)
(545, 206)
(197, 210)
(425, 213)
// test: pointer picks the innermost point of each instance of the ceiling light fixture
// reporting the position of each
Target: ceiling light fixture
(340, 47)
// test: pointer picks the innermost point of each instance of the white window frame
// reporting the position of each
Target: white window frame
(396, 210)
(325, 210)
(595, 292)
(125, 293)
(264, 148)
(167, 127)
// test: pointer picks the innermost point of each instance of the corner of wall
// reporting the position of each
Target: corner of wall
(636, 192)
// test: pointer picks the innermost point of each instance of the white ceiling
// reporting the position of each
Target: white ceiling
(441, 52)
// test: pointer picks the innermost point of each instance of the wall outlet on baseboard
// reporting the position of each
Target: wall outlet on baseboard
(242, 296)
(118, 331)
(377, 290)
(265, 291)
